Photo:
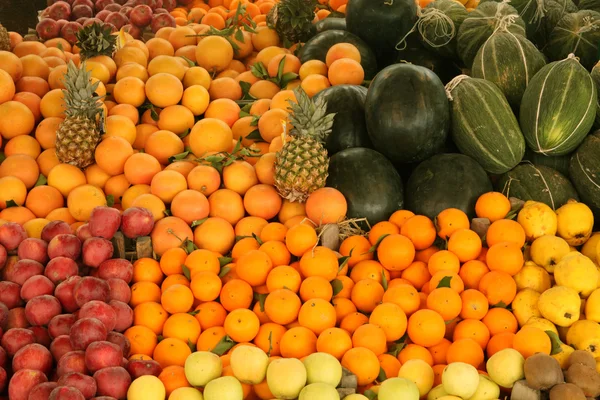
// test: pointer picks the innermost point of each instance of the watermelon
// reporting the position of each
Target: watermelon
(596, 77)
(535, 182)
(349, 129)
(445, 68)
(328, 24)
(559, 163)
(407, 113)
(483, 125)
(481, 23)
(446, 181)
(317, 47)
(509, 61)
(585, 172)
(577, 33)
(558, 107)
(438, 26)
(381, 24)
(353, 172)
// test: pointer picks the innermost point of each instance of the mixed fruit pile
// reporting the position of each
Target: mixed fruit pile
(237, 200)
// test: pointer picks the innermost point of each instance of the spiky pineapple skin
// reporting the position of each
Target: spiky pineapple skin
(4, 39)
(300, 168)
(292, 20)
(76, 141)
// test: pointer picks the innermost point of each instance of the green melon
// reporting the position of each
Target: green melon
(555, 10)
(559, 163)
(577, 33)
(593, 5)
(509, 61)
(596, 77)
(481, 23)
(532, 12)
(535, 182)
(558, 107)
(483, 125)
(438, 26)
(585, 172)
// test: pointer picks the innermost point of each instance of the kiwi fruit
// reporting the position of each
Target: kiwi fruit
(586, 377)
(542, 372)
(581, 357)
(566, 391)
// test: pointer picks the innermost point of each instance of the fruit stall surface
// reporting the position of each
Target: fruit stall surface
(299, 200)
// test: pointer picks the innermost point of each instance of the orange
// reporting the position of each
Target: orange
(206, 286)
(214, 53)
(346, 71)
(177, 299)
(334, 341)
(210, 338)
(140, 168)
(300, 238)
(367, 294)
(317, 315)
(151, 315)
(241, 325)
(41, 199)
(175, 279)
(112, 153)
(52, 104)
(210, 314)
(171, 351)
(162, 145)
(426, 328)
(21, 166)
(359, 246)
(396, 252)
(499, 320)
(83, 199)
(474, 304)
(177, 119)
(471, 273)
(445, 302)
(298, 342)
(326, 205)
(506, 257)
(472, 329)
(352, 321)
(277, 252)
(197, 76)
(202, 260)
(381, 229)
(282, 306)
(371, 337)
(391, 319)
(456, 283)
(451, 220)
(151, 202)
(13, 189)
(196, 98)
(226, 204)
(340, 51)
(144, 291)
(283, 276)
(215, 234)
(190, 206)
(465, 244)
(273, 231)
(405, 296)
(505, 230)
(164, 90)
(439, 352)
(499, 288)
(32, 101)
(168, 233)
(142, 339)
(130, 90)
(262, 201)
(269, 337)
(503, 340)
(314, 84)
(236, 294)
(167, 184)
(530, 340)
(417, 274)
(415, 352)
(182, 326)
(493, 206)
(363, 363)
(443, 260)
(320, 261)
(254, 267)
(466, 351)
(173, 377)
(210, 135)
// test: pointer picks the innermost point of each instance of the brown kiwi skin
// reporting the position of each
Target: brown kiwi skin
(566, 391)
(586, 378)
(542, 372)
(581, 357)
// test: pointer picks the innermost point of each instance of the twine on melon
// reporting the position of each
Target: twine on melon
(453, 84)
(443, 27)
(539, 13)
(588, 25)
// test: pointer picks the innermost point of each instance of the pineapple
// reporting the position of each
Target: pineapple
(293, 20)
(4, 39)
(79, 134)
(301, 165)
(95, 40)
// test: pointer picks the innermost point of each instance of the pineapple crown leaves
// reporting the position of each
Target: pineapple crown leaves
(96, 40)
(79, 95)
(310, 118)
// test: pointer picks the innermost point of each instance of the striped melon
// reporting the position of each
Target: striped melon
(593, 5)
(481, 23)
(532, 12)
(558, 107)
(596, 77)
(536, 182)
(559, 163)
(483, 124)
(509, 61)
(555, 10)
(585, 172)
(439, 25)
(577, 33)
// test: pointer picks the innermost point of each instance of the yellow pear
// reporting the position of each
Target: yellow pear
(560, 305)
(589, 248)
(577, 272)
(532, 276)
(548, 250)
(537, 219)
(585, 335)
(524, 305)
(575, 222)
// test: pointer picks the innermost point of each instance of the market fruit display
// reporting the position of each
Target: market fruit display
(300, 199)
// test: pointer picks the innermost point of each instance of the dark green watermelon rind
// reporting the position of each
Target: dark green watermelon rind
(585, 172)
(560, 98)
(484, 126)
(446, 181)
(528, 181)
(509, 61)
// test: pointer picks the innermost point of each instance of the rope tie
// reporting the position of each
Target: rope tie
(443, 27)
(453, 84)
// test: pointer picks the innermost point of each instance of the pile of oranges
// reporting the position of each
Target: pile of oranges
(387, 297)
